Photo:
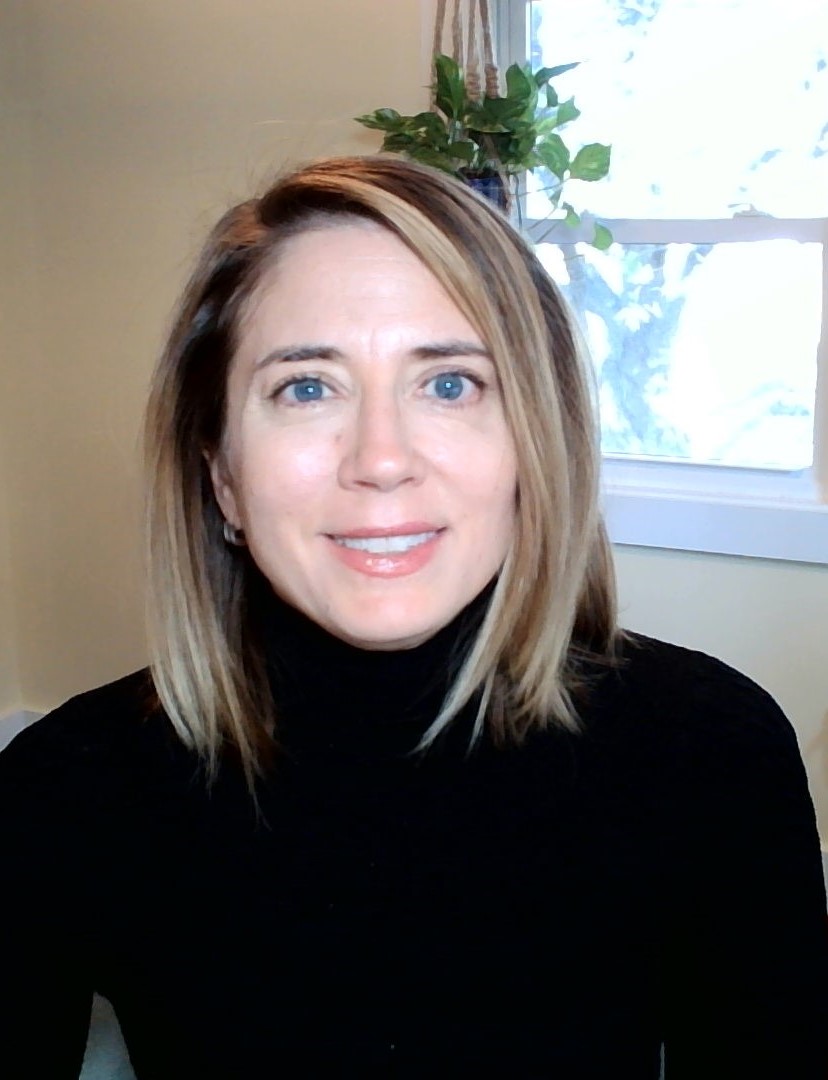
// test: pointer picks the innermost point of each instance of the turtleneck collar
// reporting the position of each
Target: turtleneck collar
(333, 696)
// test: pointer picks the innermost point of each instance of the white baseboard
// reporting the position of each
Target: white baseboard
(15, 722)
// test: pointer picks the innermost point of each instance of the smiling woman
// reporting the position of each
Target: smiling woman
(375, 479)
(396, 796)
(368, 288)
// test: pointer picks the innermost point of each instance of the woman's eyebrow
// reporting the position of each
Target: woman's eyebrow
(437, 349)
(432, 350)
(292, 353)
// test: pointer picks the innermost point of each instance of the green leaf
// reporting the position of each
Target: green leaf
(551, 96)
(398, 142)
(498, 149)
(591, 162)
(572, 217)
(602, 238)
(451, 89)
(429, 127)
(520, 86)
(493, 114)
(523, 145)
(554, 154)
(566, 112)
(381, 120)
(544, 74)
(426, 156)
(463, 149)
(545, 124)
(424, 121)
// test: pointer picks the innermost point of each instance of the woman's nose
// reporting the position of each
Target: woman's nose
(378, 451)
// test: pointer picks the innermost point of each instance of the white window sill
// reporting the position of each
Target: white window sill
(696, 509)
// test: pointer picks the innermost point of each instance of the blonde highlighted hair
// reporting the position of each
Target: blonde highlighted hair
(554, 602)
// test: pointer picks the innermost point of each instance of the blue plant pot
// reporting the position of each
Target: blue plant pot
(490, 185)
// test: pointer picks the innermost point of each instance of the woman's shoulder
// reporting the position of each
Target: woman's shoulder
(696, 706)
(111, 731)
(669, 676)
(104, 713)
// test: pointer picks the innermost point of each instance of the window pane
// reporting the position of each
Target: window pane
(704, 353)
(712, 106)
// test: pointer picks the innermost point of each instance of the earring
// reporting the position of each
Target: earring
(233, 536)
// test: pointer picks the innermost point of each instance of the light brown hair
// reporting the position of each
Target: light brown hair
(554, 602)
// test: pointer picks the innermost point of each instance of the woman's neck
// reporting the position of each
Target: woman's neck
(332, 695)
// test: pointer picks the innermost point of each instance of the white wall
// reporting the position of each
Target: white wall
(125, 128)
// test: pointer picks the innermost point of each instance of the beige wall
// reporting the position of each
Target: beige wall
(10, 698)
(18, 350)
(124, 129)
(769, 619)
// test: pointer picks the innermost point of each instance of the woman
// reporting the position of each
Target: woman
(396, 797)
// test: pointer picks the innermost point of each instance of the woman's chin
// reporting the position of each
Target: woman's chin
(385, 624)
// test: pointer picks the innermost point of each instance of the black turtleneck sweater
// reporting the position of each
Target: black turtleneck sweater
(558, 909)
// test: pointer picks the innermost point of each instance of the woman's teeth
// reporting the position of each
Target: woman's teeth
(384, 545)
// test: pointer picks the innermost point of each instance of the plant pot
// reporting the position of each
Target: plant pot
(490, 185)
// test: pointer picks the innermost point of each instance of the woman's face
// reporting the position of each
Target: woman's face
(366, 453)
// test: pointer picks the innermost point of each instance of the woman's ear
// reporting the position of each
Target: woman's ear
(223, 486)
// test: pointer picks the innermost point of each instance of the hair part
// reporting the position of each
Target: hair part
(553, 606)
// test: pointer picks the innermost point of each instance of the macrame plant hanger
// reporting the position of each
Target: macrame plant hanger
(471, 25)
(471, 20)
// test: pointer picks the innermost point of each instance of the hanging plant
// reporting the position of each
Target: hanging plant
(497, 135)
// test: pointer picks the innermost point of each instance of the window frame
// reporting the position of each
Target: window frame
(735, 511)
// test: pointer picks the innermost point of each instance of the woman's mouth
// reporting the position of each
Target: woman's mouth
(385, 545)
(393, 553)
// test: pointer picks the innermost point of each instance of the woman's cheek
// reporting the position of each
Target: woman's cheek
(297, 461)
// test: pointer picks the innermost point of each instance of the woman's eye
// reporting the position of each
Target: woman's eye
(451, 385)
(302, 391)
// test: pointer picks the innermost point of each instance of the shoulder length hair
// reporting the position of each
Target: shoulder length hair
(554, 602)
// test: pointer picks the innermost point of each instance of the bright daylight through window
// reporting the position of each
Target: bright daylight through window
(705, 319)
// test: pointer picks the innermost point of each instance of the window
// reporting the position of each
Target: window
(707, 317)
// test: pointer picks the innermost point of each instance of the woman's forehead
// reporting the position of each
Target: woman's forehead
(355, 268)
